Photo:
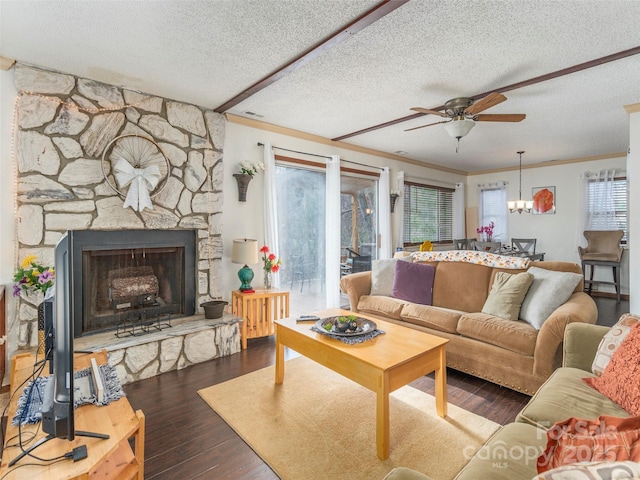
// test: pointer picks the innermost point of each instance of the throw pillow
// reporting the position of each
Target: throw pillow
(620, 380)
(547, 292)
(605, 439)
(382, 274)
(594, 471)
(414, 282)
(611, 341)
(506, 295)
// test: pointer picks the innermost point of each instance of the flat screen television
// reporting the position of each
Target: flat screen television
(57, 412)
(57, 402)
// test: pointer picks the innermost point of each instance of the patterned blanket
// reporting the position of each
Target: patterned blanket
(473, 256)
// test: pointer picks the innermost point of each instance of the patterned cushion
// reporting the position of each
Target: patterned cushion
(611, 341)
(594, 471)
(472, 256)
(605, 439)
(620, 381)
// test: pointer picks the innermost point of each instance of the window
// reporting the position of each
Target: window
(493, 208)
(607, 205)
(428, 213)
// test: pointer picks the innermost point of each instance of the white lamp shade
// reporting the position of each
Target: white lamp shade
(459, 128)
(245, 251)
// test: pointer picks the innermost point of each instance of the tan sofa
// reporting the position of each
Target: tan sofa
(511, 453)
(510, 353)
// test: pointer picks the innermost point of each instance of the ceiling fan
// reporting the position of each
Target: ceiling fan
(463, 112)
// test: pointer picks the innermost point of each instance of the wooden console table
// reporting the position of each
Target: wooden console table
(112, 458)
(258, 311)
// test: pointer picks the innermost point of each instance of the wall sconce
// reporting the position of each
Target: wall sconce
(243, 180)
(393, 198)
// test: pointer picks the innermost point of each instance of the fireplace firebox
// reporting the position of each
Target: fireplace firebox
(131, 277)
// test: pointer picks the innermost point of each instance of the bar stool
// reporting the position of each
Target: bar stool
(603, 250)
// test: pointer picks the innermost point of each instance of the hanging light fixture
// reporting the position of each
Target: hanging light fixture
(520, 205)
(459, 127)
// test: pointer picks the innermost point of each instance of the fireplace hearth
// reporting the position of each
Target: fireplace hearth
(131, 281)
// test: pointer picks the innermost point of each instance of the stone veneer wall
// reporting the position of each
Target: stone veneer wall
(63, 125)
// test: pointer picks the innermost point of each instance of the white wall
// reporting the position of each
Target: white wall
(242, 220)
(633, 175)
(8, 95)
(557, 234)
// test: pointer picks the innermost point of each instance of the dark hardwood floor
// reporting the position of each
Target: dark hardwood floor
(186, 440)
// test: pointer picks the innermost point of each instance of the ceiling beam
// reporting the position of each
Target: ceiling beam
(525, 83)
(376, 13)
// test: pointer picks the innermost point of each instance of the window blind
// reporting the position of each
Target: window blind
(616, 206)
(428, 213)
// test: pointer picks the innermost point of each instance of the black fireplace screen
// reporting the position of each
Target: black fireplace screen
(129, 285)
(131, 277)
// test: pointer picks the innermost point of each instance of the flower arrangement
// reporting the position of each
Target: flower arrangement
(32, 276)
(488, 230)
(271, 261)
(250, 169)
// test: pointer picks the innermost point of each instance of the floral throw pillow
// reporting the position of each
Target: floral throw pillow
(611, 341)
(620, 380)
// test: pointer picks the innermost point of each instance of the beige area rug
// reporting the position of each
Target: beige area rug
(320, 425)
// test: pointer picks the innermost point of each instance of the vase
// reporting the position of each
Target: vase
(243, 180)
(267, 280)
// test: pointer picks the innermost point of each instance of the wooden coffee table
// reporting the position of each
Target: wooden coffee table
(382, 364)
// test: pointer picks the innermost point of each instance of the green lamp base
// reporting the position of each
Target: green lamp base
(245, 274)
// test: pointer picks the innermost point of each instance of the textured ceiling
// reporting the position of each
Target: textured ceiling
(421, 54)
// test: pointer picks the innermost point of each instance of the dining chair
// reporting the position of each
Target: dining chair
(461, 244)
(524, 245)
(491, 247)
(603, 250)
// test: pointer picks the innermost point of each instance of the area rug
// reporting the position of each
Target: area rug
(318, 424)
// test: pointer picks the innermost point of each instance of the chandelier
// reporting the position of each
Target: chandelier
(520, 205)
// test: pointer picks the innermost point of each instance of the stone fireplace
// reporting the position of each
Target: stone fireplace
(63, 125)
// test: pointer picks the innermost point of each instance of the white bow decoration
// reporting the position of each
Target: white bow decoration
(142, 181)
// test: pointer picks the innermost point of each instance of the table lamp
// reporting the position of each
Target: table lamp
(245, 251)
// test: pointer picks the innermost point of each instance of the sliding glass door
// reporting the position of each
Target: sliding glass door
(301, 194)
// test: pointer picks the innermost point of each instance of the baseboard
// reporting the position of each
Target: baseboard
(609, 295)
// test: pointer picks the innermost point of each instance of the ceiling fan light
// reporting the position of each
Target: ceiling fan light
(459, 128)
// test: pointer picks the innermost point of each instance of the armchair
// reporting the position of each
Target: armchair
(603, 249)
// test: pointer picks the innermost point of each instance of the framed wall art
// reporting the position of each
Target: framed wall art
(544, 200)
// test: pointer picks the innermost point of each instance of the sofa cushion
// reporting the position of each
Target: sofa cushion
(461, 286)
(611, 341)
(594, 471)
(517, 336)
(620, 381)
(548, 291)
(413, 282)
(382, 275)
(378, 305)
(506, 295)
(565, 395)
(603, 439)
(442, 319)
(510, 453)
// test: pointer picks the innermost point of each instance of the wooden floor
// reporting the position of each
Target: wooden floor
(186, 440)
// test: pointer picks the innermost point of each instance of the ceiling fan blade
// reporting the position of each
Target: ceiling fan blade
(489, 101)
(428, 111)
(427, 125)
(500, 117)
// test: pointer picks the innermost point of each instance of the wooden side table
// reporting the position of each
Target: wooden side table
(258, 311)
